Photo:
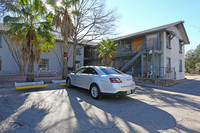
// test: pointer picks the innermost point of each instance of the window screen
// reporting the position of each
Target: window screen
(44, 64)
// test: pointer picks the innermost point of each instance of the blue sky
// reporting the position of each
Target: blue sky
(137, 15)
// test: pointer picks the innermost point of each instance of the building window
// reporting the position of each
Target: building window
(44, 64)
(127, 46)
(78, 51)
(0, 64)
(168, 40)
(180, 66)
(78, 64)
(181, 43)
(168, 65)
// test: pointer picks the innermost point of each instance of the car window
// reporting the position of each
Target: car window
(80, 70)
(90, 71)
(108, 71)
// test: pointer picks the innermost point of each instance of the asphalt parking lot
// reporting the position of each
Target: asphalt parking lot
(59, 109)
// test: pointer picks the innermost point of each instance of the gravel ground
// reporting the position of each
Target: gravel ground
(59, 109)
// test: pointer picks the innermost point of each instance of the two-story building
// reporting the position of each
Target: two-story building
(153, 53)
(157, 53)
(51, 61)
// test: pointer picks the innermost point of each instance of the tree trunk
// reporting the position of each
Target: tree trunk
(65, 69)
(65, 60)
(106, 61)
(30, 72)
(22, 66)
(22, 70)
(74, 55)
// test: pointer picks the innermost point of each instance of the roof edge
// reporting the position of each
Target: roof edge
(148, 31)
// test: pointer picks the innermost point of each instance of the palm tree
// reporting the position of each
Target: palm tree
(63, 21)
(30, 26)
(106, 50)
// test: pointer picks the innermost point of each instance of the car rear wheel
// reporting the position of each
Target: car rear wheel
(94, 91)
(68, 82)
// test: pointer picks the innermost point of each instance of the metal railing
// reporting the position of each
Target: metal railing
(159, 72)
(149, 45)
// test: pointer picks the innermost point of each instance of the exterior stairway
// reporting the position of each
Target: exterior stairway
(131, 62)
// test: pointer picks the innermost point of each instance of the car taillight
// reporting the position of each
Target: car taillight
(115, 80)
(133, 79)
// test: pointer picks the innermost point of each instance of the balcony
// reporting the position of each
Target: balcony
(152, 44)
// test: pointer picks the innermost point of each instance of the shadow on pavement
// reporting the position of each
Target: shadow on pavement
(57, 108)
(10, 101)
(17, 112)
(177, 94)
(131, 112)
(190, 87)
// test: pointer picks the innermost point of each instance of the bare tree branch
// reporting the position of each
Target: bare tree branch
(59, 61)
(15, 52)
(93, 22)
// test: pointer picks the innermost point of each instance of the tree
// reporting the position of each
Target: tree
(106, 50)
(197, 68)
(189, 61)
(192, 60)
(30, 26)
(62, 20)
(91, 22)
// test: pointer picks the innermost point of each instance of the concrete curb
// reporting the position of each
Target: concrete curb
(28, 83)
(58, 81)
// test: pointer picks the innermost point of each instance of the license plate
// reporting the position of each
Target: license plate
(128, 92)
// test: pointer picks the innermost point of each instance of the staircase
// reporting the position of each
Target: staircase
(131, 62)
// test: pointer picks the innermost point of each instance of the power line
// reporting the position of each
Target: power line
(193, 26)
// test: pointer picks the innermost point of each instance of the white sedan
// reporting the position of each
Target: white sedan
(101, 80)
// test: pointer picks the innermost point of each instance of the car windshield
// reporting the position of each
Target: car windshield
(109, 71)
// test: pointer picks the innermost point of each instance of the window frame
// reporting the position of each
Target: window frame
(39, 65)
(169, 70)
(168, 42)
(181, 46)
(127, 46)
(78, 53)
(180, 66)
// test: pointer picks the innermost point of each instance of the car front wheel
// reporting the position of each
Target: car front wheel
(94, 91)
